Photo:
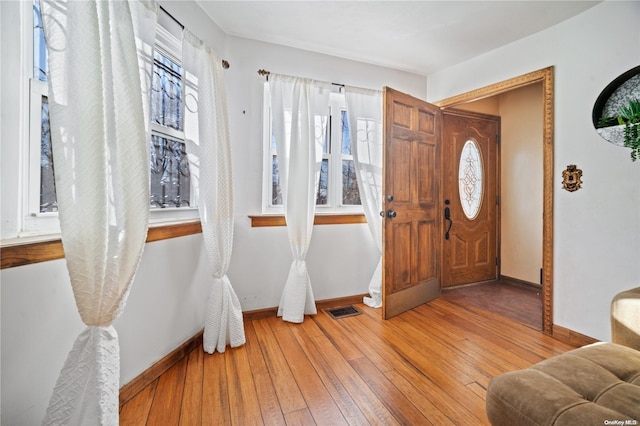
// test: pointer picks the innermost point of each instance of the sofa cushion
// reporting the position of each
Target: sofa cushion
(589, 385)
(625, 318)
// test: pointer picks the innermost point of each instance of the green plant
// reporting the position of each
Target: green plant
(629, 116)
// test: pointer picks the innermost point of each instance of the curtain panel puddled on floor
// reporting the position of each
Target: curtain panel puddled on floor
(208, 144)
(299, 154)
(364, 111)
(99, 133)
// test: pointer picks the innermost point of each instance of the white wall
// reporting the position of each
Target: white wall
(596, 229)
(40, 321)
(521, 148)
(166, 306)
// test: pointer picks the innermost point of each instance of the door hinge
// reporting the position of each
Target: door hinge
(497, 261)
(497, 200)
(498, 139)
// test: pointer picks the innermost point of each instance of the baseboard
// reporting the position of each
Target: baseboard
(131, 389)
(572, 337)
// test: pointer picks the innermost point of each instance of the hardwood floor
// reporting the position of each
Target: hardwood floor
(505, 297)
(430, 365)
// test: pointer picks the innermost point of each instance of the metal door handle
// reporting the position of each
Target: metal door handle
(447, 216)
(391, 214)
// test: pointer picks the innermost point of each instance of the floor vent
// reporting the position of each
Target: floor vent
(343, 312)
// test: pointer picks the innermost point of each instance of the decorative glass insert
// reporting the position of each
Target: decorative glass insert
(470, 181)
(170, 176)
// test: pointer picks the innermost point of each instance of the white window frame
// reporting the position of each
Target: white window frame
(34, 223)
(169, 44)
(334, 197)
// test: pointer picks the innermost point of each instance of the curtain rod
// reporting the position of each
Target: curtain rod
(225, 63)
(267, 73)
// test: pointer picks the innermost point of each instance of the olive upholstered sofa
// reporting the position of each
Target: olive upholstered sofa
(597, 384)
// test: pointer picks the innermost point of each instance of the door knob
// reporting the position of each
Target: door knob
(389, 198)
(391, 214)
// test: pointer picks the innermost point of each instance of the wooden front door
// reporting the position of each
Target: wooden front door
(412, 211)
(470, 194)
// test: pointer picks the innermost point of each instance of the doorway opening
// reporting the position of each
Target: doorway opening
(543, 78)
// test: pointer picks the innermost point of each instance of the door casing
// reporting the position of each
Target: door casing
(546, 77)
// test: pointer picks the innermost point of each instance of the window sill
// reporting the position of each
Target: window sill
(19, 252)
(258, 221)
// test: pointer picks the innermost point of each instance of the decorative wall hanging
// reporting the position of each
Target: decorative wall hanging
(616, 113)
(572, 178)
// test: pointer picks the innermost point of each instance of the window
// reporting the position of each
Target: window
(169, 165)
(40, 204)
(47, 200)
(337, 186)
(171, 194)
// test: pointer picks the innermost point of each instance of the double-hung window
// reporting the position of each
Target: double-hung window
(170, 176)
(171, 194)
(337, 186)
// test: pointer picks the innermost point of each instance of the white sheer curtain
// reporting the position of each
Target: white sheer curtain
(207, 131)
(299, 151)
(99, 134)
(364, 109)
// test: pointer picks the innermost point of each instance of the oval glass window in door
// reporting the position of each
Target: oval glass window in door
(470, 181)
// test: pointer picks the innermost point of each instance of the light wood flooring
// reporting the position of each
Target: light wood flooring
(430, 365)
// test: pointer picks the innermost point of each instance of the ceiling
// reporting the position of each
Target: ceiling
(416, 36)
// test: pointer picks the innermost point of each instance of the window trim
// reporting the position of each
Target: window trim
(265, 220)
(18, 252)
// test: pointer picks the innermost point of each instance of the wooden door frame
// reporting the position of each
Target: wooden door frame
(544, 76)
